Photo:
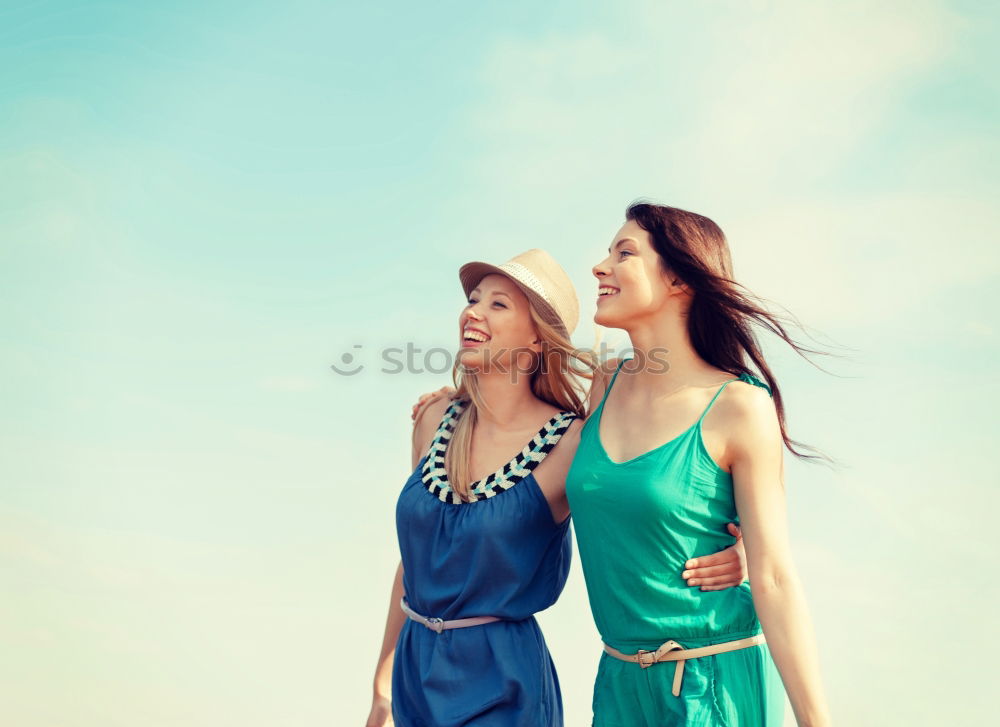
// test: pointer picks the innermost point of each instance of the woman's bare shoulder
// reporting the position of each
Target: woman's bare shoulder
(749, 412)
(427, 423)
(572, 434)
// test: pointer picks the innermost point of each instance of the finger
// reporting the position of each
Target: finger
(734, 530)
(425, 400)
(710, 571)
(727, 580)
(717, 588)
(435, 395)
(421, 408)
(720, 558)
(419, 405)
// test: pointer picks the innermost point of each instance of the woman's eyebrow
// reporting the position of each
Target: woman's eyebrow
(624, 239)
(495, 292)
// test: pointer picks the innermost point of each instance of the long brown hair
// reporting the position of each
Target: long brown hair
(555, 379)
(722, 312)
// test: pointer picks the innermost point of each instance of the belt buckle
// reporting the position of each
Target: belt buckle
(435, 624)
(640, 657)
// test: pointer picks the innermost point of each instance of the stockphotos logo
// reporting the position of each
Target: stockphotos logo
(412, 359)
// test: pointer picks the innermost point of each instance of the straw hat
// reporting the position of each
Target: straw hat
(541, 278)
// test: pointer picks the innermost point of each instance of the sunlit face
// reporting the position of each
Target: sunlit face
(496, 326)
(631, 280)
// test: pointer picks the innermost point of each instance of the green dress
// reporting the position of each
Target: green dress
(637, 522)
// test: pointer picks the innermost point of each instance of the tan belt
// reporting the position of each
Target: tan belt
(436, 624)
(672, 651)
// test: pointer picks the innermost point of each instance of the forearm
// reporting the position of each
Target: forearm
(393, 625)
(781, 608)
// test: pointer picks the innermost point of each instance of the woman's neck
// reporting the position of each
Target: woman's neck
(664, 358)
(508, 401)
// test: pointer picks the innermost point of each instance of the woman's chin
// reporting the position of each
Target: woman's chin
(472, 358)
(603, 318)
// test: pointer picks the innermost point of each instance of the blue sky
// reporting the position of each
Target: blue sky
(204, 205)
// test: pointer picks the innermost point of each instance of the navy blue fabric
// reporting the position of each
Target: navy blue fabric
(502, 556)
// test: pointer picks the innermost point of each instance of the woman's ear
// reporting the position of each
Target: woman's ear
(681, 285)
(674, 282)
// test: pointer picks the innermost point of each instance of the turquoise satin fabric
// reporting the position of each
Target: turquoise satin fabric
(637, 522)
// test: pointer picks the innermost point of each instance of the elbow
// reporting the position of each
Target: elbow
(773, 582)
(769, 584)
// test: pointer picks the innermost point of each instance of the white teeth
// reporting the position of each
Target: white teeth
(475, 336)
(606, 291)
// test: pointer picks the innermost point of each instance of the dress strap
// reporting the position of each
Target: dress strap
(435, 450)
(435, 476)
(748, 378)
(447, 424)
(607, 389)
(713, 400)
(751, 379)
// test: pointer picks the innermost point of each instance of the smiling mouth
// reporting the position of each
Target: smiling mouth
(606, 292)
(472, 337)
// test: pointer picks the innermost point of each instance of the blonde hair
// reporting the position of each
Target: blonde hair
(553, 380)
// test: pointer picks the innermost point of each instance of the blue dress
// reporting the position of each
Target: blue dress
(500, 554)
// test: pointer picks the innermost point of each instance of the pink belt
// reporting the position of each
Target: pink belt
(672, 651)
(439, 625)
